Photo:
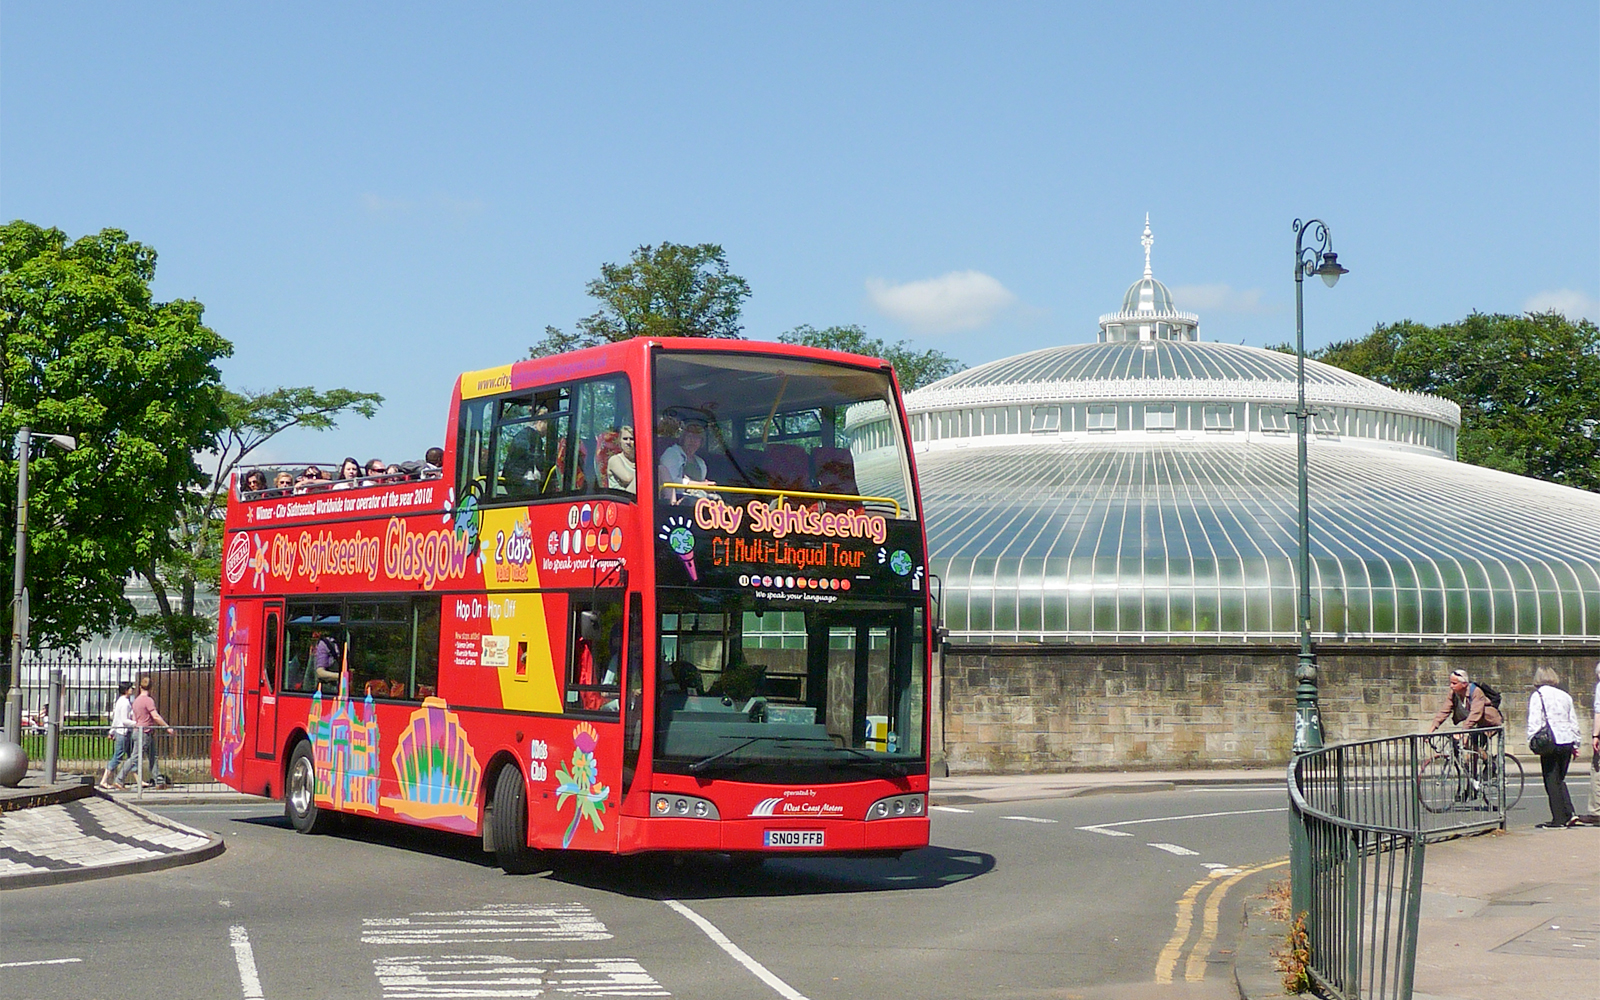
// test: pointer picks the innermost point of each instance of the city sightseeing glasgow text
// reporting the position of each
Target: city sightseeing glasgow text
(401, 554)
(783, 519)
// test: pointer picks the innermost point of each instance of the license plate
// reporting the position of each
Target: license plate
(792, 838)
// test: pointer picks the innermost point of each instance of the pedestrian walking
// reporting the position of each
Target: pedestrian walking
(1592, 818)
(1553, 735)
(121, 733)
(144, 713)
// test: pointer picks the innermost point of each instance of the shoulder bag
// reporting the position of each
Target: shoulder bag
(1543, 742)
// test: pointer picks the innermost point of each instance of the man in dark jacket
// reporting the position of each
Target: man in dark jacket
(1467, 706)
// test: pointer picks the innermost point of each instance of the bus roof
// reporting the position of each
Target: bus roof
(606, 357)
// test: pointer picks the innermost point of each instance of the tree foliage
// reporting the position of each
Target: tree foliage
(912, 367)
(673, 290)
(1528, 386)
(86, 351)
(193, 557)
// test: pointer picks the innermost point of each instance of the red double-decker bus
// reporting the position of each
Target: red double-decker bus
(660, 595)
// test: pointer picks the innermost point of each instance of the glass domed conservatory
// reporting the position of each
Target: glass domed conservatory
(1142, 489)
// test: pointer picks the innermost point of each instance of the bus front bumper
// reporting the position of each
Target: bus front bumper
(772, 837)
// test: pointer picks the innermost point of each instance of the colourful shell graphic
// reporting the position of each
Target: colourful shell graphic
(582, 784)
(345, 750)
(436, 769)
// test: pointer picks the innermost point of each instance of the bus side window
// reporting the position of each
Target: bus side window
(425, 648)
(605, 407)
(594, 650)
(472, 446)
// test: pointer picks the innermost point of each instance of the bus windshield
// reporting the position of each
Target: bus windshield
(753, 690)
(764, 424)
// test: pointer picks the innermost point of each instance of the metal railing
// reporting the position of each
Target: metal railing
(182, 692)
(1360, 818)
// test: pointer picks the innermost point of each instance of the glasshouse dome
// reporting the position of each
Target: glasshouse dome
(1142, 489)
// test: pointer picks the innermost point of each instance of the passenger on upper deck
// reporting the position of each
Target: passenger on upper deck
(376, 470)
(254, 481)
(283, 482)
(681, 464)
(349, 475)
(433, 460)
(620, 471)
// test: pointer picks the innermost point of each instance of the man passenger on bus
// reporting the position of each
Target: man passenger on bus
(681, 463)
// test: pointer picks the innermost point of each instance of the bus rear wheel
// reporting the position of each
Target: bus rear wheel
(509, 824)
(300, 793)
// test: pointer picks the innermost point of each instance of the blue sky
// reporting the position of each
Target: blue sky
(381, 196)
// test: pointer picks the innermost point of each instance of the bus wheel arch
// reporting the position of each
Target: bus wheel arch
(299, 792)
(505, 817)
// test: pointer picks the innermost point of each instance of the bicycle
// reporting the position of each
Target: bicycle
(1456, 775)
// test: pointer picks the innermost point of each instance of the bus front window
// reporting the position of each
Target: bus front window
(752, 691)
(761, 426)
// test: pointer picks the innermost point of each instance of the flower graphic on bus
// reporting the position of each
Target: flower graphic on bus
(465, 516)
(582, 784)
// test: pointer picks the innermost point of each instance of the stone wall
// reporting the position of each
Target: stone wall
(1015, 709)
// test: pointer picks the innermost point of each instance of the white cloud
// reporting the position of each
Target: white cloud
(381, 207)
(1217, 298)
(1568, 302)
(960, 300)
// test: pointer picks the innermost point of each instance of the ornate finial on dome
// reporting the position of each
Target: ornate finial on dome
(1148, 239)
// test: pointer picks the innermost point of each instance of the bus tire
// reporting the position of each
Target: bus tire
(510, 824)
(300, 793)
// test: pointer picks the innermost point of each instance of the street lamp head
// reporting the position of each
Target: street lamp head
(66, 442)
(1330, 269)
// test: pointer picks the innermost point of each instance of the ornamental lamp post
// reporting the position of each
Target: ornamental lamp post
(19, 601)
(1323, 262)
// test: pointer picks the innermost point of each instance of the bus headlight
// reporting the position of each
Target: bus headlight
(683, 807)
(898, 807)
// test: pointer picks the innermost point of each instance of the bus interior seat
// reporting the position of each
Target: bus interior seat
(378, 688)
(785, 467)
(836, 473)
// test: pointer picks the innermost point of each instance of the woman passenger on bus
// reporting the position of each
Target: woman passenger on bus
(349, 475)
(255, 481)
(620, 471)
(681, 462)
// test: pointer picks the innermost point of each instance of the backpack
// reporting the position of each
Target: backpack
(1488, 692)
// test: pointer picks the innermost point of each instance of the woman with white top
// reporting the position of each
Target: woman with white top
(121, 733)
(1553, 705)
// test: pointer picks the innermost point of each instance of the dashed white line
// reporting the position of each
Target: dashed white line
(1104, 832)
(39, 961)
(760, 971)
(1174, 849)
(947, 809)
(1031, 819)
(245, 957)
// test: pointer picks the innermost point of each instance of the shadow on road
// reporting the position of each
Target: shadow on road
(684, 876)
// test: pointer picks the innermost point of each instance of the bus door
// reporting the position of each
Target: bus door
(864, 666)
(264, 680)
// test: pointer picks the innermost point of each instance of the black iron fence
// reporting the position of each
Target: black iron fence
(183, 695)
(1361, 816)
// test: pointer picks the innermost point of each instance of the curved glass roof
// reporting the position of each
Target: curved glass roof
(1169, 541)
(1147, 295)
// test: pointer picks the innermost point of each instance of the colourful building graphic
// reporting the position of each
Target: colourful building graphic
(345, 751)
(436, 769)
(230, 731)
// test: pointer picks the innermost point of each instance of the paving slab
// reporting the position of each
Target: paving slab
(90, 837)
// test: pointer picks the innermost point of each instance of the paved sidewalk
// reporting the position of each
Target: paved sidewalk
(67, 832)
(1511, 914)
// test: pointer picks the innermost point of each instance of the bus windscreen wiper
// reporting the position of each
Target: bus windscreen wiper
(893, 767)
(705, 762)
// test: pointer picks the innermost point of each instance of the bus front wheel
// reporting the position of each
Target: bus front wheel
(509, 821)
(300, 793)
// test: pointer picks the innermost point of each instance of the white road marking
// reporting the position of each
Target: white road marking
(39, 961)
(1224, 872)
(1174, 849)
(1104, 832)
(947, 809)
(1213, 864)
(413, 977)
(245, 957)
(760, 971)
(496, 922)
(1030, 819)
(1105, 827)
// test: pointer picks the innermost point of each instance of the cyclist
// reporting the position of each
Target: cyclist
(1468, 707)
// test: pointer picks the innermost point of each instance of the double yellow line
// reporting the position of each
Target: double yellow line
(1194, 969)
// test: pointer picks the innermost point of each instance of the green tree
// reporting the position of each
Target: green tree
(912, 367)
(85, 350)
(673, 290)
(1528, 386)
(191, 556)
